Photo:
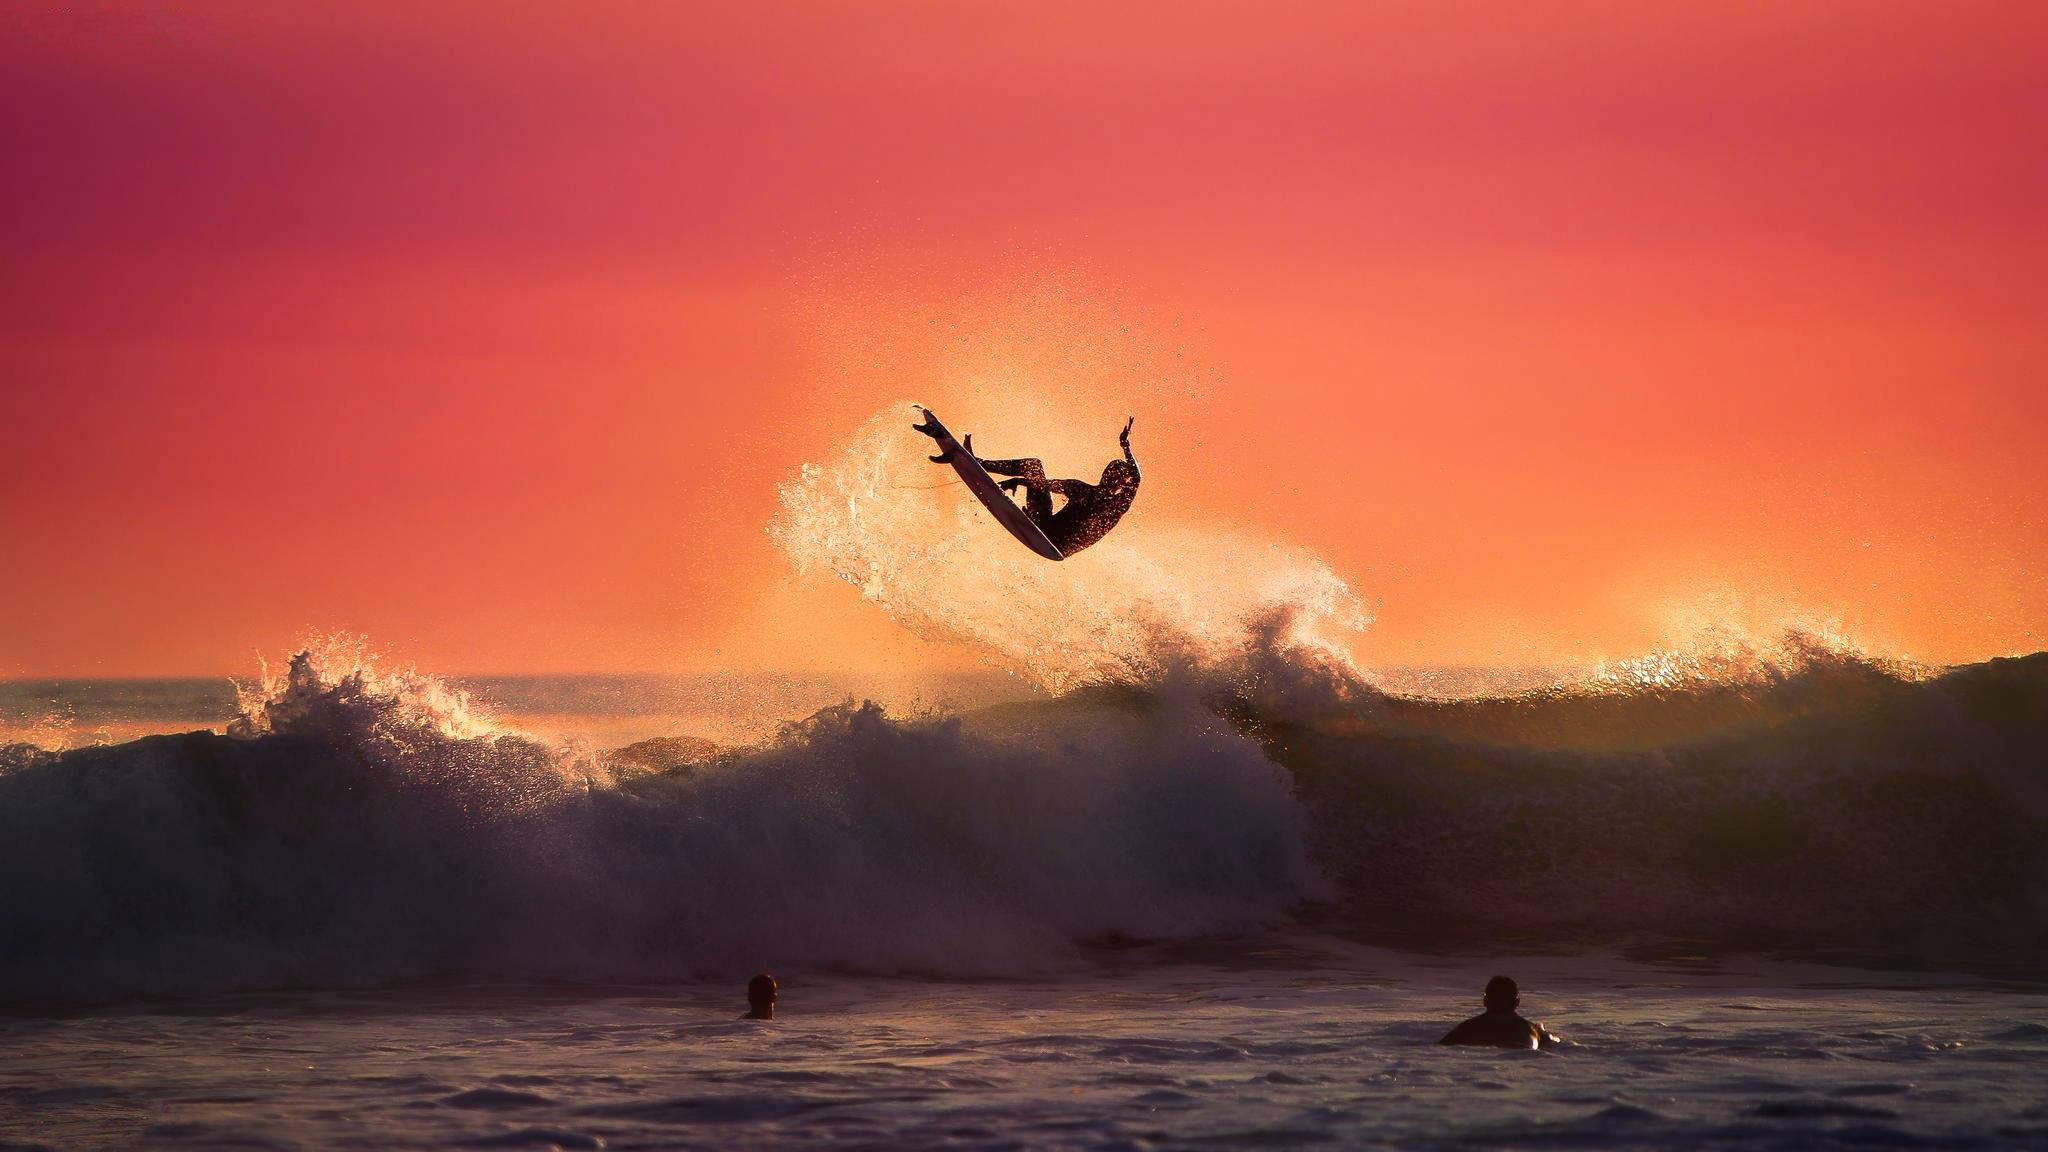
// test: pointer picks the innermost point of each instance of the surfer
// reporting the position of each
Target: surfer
(1500, 1026)
(761, 992)
(1090, 511)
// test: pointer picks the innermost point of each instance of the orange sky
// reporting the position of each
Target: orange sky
(488, 330)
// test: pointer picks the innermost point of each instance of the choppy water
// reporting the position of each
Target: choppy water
(1286, 1045)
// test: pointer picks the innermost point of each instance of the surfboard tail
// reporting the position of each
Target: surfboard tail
(1006, 512)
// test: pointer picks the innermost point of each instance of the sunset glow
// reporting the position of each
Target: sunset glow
(489, 331)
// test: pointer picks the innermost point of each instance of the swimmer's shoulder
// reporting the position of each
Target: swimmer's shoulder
(1501, 1031)
(1485, 1030)
(1466, 1032)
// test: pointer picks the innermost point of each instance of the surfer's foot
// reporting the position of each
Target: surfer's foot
(968, 444)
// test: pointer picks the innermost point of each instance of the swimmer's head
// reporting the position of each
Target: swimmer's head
(1502, 995)
(761, 996)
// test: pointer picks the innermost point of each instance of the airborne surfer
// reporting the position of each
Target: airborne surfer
(1090, 511)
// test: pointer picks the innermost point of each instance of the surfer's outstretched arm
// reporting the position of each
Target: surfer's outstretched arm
(1125, 440)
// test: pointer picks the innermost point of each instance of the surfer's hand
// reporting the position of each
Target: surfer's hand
(1014, 482)
(1125, 439)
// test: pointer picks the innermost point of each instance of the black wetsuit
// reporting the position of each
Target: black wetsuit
(1091, 510)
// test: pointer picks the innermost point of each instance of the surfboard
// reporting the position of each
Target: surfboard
(986, 489)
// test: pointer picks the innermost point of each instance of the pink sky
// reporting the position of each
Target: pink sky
(488, 331)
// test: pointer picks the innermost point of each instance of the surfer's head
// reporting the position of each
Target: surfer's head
(761, 997)
(1502, 995)
(1120, 474)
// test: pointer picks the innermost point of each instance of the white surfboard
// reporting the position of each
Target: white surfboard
(985, 488)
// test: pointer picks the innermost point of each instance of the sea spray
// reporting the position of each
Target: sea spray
(1717, 654)
(1147, 601)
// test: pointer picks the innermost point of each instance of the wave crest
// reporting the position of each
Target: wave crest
(337, 683)
(1720, 654)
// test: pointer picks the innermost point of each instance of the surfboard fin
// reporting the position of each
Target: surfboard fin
(932, 428)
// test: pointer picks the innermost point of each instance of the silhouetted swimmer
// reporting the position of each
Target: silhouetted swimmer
(761, 992)
(1090, 511)
(1500, 1026)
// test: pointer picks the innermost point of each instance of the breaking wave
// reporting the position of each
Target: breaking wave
(361, 826)
(364, 826)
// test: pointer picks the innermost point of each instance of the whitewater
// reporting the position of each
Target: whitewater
(1196, 878)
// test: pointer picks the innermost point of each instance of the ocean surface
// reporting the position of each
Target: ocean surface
(359, 908)
(1297, 1042)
